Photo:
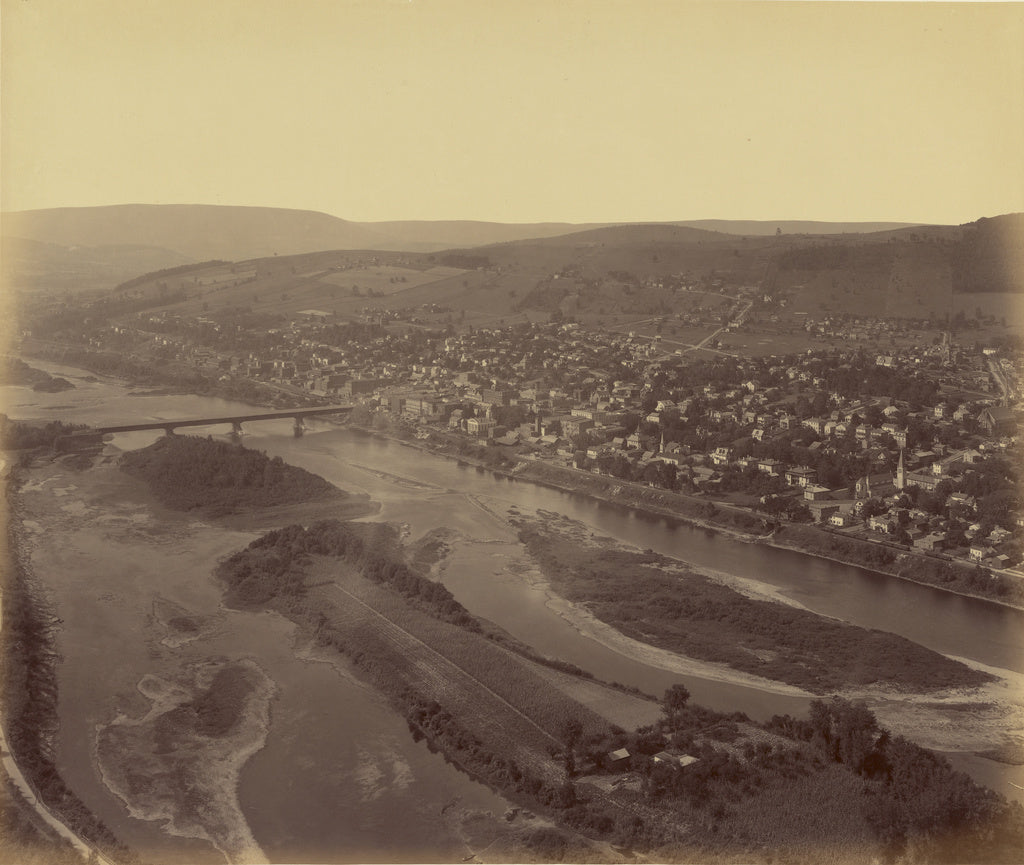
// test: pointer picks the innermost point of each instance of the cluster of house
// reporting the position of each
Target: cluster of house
(563, 393)
(620, 760)
(895, 516)
(592, 429)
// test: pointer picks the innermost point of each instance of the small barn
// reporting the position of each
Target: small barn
(617, 760)
(677, 761)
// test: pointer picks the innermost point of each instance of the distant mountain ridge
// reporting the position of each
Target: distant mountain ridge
(198, 231)
(893, 266)
(204, 231)
(791, 226)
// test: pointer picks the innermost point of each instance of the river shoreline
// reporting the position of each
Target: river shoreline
(565, 484)
(35, 665)
(883, 717)
(126, 704)
(653, 509)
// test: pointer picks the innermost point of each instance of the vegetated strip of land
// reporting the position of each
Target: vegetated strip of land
(25, 838)
(733, 520)
(407, 633)
(837, 782)
(201, 728)
(22, 436)
(812, 540)
(961, 579)
(219, 478)
(29, 684)
(15, 371)
(176, 375)
(662, 602)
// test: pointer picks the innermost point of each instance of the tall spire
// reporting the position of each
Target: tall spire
(901, 473)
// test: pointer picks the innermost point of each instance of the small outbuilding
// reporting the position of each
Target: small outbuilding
(677, 761)
(617, 760)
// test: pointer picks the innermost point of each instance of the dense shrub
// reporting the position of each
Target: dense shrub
(697, 616)
(271, 567)
(18, 435)
(189, 472)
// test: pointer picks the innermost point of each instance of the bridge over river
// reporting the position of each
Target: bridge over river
(171, 425)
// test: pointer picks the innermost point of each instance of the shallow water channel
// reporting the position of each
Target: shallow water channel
(339, 776)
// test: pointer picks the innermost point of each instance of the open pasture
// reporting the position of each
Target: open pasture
(387, 279)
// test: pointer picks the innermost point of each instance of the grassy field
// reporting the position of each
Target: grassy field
(792, 814)
(490, 689)
(765, 342)
(754, 792)
(616, 707)
(387, 279)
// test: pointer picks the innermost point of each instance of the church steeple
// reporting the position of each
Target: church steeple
(901, 473)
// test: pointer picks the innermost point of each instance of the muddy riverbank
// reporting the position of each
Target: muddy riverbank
(139, 618)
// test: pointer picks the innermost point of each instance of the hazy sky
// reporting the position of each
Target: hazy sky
(518, 110)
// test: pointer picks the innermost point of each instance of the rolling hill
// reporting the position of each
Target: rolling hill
(282, 261)
(792, 226)
(615, 271)
(196, 231)
(432, 236)
(200, 232)
(40, 267)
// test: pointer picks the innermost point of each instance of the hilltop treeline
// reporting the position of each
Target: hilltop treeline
(986, 258)
(189, 472)
(465, 260)
(835, 255)
(991, 255)
(273, 567)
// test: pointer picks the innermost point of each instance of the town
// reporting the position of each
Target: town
(488, 433)
(864, 434)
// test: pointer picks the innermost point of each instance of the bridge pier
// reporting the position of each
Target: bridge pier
(299, 427)
(299, 414)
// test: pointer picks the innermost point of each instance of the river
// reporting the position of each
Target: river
(330, 725)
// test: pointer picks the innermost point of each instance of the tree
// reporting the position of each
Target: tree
(844, 730)
(630, 422)
(674, 703)
(999, 508)
(873, 507)
(798, 511)
(572, 730)
(660, 474)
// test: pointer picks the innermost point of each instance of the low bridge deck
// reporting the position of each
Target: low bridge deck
(173, 423)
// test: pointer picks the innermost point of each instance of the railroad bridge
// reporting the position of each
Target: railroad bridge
(170, 426)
